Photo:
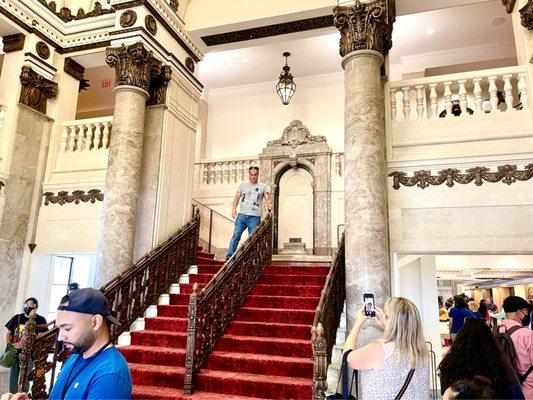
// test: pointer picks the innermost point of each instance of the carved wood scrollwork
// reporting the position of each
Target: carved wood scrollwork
(506, 173)
(526, 15)
(77, 197)
(36, 89)
(65, 14)
(13, 42)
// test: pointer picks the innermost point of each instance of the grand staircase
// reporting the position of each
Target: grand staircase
(265, 353)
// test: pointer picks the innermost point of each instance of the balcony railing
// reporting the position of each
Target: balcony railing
(91, 134)
(223, 172)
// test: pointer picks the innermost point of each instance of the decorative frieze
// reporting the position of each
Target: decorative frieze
(77, 197)
(158, 86)
(65, 14)
(295, 135)
(73, 68)
(134, 65)
(13, 42)
(506, 173)
(509, 5)
(526, 15)
(365, 26)
(36, 90)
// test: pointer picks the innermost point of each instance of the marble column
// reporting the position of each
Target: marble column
(365, 36)
(135, 67)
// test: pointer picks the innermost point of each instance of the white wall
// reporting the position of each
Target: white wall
(243, 119)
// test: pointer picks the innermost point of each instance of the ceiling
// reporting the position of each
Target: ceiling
(454, 28)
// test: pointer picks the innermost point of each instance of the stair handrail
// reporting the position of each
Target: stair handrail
(326, 322)
(195, 208)
(129, 294)
(214, 307)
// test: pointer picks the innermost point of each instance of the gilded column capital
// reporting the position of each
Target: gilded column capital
(134, 65)
(36, 89)
(365, 26)
(526, 15)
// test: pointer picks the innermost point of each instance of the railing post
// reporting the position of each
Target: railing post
(28, 338)
(210, 230)
(191, 341)
(320, 363)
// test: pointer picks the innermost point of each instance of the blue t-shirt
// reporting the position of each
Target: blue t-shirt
(459, 315)
(105, 377)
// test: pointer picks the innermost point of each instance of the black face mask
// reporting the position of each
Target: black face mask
(28, 310)
(527, 320)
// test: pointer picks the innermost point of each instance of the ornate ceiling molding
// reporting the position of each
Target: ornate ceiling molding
(77, 197)
(365, 26)
(36, 90)
(134, 65)
(506, 173)
(509, 5)
(269, 30)
(13, 42)
(65, 14)
(526, 15)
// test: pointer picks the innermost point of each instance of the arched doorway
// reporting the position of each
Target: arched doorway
(295, 207)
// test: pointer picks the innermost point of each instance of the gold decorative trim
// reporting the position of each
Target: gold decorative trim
(526, 15)
(13, 42)
(158, 86)
(151, 25)
(189, 64)
(506, 173)
(134, 65)
(42, 50)
(174, 4)
(77, 197)
(36, 89)
(65, 14)
(128, 18)
(365, 26)
(509, 5)
(73, 68)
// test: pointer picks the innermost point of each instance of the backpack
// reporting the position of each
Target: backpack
(508, 352)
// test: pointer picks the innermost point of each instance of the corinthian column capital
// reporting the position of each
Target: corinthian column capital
(365, 25)
(134, 65)
(526, 15)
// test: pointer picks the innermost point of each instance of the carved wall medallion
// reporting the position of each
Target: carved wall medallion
(509, 5)
(174, 4)
(128, 18)
(36, 90)
(13, 42)
(189, 63)
(526, 15)
(74, 69)
(295, 135)
(134, 65)
(158, 86)
(42, 50)
(506, 174)
(365, 26)
(77, 197)
(151, 25)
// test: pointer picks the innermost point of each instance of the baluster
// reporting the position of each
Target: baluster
(212, 173)
(462, 97)
(90, 136)
(433, 99)
(64, 139)
(233, 172)
(81, 137)
(72, 138)
(105, 135)
(218, 169)
(493, 93)
(477, 94)
(522, 90)
(420, 101)
(205, 174)
(341, 157)
(508, 90)
(245, 167)
(448, 98)
(241, 171)
(406, 103)
(225, 168)
(97, 136)
(393, 110)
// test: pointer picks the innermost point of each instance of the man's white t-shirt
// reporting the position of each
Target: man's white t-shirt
(252, 197)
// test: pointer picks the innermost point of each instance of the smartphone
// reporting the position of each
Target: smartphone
(370, 305)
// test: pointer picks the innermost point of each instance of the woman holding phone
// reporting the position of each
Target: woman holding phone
(396, 365)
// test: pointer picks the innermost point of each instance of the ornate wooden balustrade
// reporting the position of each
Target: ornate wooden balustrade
(326, 322)
(213, 308)
(129, 294)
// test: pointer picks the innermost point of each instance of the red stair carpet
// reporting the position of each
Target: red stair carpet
(264, 354)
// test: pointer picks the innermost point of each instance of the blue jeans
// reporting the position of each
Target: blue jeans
(241, 223)
(14, 373)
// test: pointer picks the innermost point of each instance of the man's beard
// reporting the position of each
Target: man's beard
(83, 344)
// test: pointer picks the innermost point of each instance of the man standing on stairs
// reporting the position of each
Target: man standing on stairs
(250, 195)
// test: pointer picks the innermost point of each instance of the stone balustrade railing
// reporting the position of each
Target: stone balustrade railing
(464, 94)
(339, 164)
(221, 172)
(91, 134)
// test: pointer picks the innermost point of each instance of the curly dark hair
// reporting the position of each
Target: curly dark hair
(474, 352)
(477, 388)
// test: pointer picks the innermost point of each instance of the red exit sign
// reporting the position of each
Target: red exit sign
(106, 84)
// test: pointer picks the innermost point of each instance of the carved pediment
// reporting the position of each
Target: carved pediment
(295, 135)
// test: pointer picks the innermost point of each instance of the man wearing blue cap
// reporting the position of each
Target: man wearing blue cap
(96, 369)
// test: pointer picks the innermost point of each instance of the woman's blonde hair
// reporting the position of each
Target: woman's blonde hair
(473, 306)
(405, 329)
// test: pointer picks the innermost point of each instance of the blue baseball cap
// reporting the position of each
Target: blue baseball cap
(87, 301)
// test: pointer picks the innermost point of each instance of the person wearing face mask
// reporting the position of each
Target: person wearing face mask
(15, 330)
(516, 322)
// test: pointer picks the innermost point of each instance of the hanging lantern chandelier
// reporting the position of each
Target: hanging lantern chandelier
(286, 86)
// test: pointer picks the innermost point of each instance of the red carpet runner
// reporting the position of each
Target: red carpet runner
(265, 353)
